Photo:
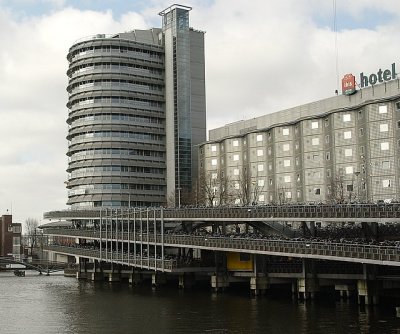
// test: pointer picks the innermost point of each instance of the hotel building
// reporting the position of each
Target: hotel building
(136, 114)
(341, 149)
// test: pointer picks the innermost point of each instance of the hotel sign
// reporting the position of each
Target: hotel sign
(348, 84)
(349, 81)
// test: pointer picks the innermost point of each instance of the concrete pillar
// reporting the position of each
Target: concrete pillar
(307, 288)
(219, 282)
(345, 290)
(114, 277)
(94, 276)
(367, 292)
(258, 284)
(158, 279)
(80, 274)
(135, 279)
(186, 280)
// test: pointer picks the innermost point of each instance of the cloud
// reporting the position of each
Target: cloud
(33, 98)
(260, 58)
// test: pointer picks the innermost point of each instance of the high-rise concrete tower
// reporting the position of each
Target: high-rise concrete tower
(136, 113)
(184, 98)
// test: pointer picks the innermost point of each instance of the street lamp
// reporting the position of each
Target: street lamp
(179, 196)
(358, 186)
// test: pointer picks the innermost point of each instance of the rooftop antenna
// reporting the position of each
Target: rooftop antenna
(336, 44)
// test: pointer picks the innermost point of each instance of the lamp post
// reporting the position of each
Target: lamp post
(179, 196)
(358, 186)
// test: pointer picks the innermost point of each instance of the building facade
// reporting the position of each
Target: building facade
(136, 114)
(10, 237)
(341, 149)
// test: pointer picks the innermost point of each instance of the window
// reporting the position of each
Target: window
(314, 125)
(349, 187)
(260, 153)
(326, 122)
(285, 147)
(297, 161)
(261, 198)
(386, 183)
(237, 201)
(317, 191)
(288, 194)
(384, 146)
(347, 134)
(235, 143)
(260, 168)
(260, 183)
(213, 148)
(398, 106)
(214, 162)
(315, 156)
(270, 182)
(382, 109)
(298, 178)
(237, 185)
(385, 164)
(236, 171)
(346, 118)
(269, 151)
(315, 141)
(259, 137)
(361, 132)
(328, 173)
(327, 139)
(285, 132)
(328, 155)
(286, 163)
(236, 157)
(348, 152)
(270, 166)
(214, 176)
(383, 127)
(287, 178)
(349, 170)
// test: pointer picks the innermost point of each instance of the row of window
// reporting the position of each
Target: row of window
(118, 117)
(116, 49)
(118, 151)
(132, 84)
(116, 99)
(89, 204)
(118, 134)
(84, 189)
(116, 168)
(123, 67)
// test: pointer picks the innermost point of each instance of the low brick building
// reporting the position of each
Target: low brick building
(10, 237)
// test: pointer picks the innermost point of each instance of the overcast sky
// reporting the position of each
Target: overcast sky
(261, 57)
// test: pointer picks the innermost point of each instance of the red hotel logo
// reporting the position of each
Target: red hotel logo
(348, 84)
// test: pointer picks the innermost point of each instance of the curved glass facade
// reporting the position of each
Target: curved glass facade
(116, 137)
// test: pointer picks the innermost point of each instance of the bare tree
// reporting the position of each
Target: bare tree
(282, 198)
(31, 225)
(214, 188)
(336, 193)
(248, 189)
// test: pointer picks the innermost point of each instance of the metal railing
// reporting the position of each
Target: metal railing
(340, 211)
(387, 255)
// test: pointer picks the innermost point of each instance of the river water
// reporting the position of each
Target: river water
(57, 304)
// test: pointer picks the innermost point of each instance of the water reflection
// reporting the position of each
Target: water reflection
(40, 304)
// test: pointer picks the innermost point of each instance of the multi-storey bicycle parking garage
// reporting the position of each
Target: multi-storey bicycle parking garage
(235, 243)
